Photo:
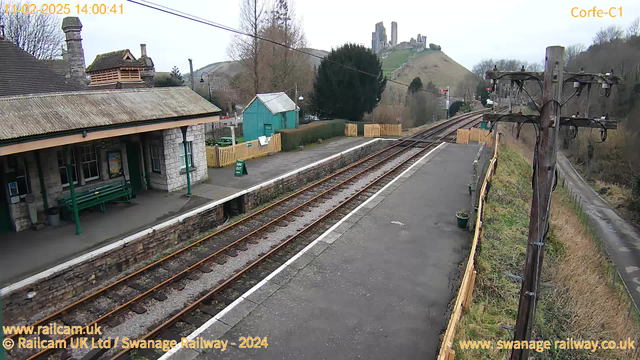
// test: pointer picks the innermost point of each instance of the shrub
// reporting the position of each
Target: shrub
(310, 133)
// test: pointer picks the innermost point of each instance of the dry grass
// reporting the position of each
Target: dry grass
(582, 299)
(600, 307)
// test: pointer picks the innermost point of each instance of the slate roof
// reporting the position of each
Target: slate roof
(113, 60)
(31, 115)
(21, 73)
(275, 102)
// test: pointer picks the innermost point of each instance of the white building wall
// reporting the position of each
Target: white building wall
(176, 176)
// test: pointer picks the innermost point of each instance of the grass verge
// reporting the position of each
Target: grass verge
(580, 298)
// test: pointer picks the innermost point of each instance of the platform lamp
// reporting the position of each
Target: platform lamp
(208, 83)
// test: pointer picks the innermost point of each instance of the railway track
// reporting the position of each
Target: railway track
(109, 306)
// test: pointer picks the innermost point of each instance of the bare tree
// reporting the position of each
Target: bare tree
(634, 28)
(38, 34)
(285, 68)
(467, 86)
(571, 52)
(609, 34)
(246, 49)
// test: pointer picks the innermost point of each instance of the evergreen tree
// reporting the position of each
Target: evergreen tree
(347, 93)
(176, 76)
(416, 85)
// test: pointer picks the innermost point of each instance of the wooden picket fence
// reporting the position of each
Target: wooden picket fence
(465, 293)
(390, 129)
(474, 134)
(371, 130)
(224, 156)
(351, 130)
(462, 137)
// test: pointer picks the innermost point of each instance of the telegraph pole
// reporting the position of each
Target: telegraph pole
(548, 124)
(543, 184)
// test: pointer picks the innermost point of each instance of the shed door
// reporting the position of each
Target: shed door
(268, 130)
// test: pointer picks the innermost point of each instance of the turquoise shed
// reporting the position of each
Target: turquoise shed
(268, 113)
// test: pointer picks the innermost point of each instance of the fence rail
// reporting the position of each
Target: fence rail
(463, 299)
(224, 156)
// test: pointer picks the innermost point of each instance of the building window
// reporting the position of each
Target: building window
(156, 158)
(89, 163)
(189, 155)
(18, 177)
(64, 179)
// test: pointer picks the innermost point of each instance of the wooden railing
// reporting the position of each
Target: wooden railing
(224, 156)
(463, 300)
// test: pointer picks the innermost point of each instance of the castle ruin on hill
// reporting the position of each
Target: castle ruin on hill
(379, 40)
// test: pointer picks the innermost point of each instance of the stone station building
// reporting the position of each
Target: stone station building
(138, 136)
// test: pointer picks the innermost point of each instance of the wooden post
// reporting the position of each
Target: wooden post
(469, 296)
(541, 201)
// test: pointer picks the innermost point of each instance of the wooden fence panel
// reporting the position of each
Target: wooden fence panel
(351, 130)
(245, 151)
(390, 129)
(479, 135)
(462, 136)
(371, 130)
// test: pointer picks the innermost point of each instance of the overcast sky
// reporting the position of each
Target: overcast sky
(468, 31)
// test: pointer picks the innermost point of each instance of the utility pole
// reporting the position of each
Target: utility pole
(548, 122)
(191, 75)
(543, 184)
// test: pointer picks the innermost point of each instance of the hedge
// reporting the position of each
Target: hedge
(310, 133)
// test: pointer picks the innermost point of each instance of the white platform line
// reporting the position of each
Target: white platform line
(257, 286)
(124, 242)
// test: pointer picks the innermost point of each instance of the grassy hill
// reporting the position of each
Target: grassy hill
(429, 65)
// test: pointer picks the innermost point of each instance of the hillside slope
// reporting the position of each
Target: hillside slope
(224, 71)
(430, 65)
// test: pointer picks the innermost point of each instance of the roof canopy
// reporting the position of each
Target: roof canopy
(114, 60)
(31, 115)
(276, 102)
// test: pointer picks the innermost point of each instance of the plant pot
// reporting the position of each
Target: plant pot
(462, 221)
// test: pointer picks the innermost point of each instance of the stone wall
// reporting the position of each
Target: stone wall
(65, 286)
(176, 178)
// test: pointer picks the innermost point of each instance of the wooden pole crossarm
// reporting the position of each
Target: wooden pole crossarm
(564, 120)
(513, 75)
(582, 77)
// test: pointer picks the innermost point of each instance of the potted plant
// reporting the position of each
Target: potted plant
(462, 217)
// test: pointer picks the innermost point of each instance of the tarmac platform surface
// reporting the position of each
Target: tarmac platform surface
(29, 252)
(376, 286)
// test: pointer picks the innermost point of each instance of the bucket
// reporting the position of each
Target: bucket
(53, 216)
(462, 221)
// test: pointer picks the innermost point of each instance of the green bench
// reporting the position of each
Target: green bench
(96, 196)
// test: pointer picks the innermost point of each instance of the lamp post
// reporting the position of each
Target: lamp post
(208, 83)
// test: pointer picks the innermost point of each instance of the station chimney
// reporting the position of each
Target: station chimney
(71, 26)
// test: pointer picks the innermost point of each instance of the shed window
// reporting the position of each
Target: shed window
(90, 163)
(189, 155)
(64, 179)
(156, 158)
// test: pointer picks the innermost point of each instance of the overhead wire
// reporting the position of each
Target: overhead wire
(187, 16)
